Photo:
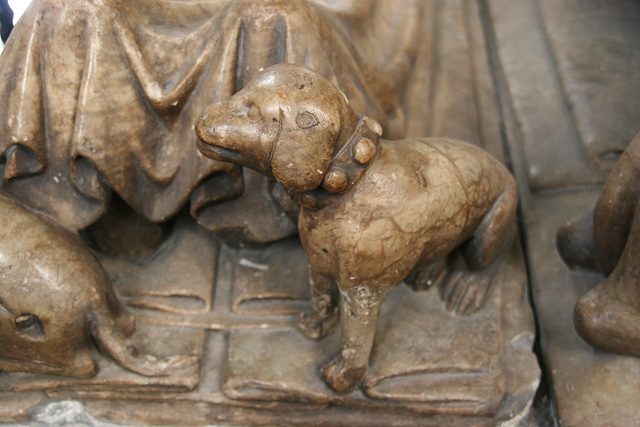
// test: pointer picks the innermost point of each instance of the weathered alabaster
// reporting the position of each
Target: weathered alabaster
(373, 210)
(608, 240)
(55, 297)
(101, 96)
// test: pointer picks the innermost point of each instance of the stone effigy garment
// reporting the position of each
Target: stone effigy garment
(100, 96)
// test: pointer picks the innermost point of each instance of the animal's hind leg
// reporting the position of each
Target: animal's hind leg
(322, 319)
(464, 290)
(494, 233)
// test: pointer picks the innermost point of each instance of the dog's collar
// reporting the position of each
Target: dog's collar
(347, 166)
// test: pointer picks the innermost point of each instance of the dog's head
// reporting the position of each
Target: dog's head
(283, 124)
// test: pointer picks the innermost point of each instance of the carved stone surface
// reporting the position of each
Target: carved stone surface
(606, 240)
(420, 70)
(592, 387)
(570, 107)
(258, 357)
(164, 62)
(176, 278)
(56, 298)
(372, 210)
(575, 92)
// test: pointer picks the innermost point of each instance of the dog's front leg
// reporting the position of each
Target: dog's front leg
(359, 310)
(322, 319)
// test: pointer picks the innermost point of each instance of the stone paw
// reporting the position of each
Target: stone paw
(315, 326)
(464, 291)
(427, 277)
(340, 376)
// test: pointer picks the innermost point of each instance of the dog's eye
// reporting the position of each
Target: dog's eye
(253, 114)
(306, 120)
(29, 326)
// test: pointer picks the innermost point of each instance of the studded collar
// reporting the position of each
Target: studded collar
(347, 166)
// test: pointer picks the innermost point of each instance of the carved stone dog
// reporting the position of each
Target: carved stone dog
(54, 297)
(372, 211)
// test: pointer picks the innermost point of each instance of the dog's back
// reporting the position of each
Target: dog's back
(418, 200)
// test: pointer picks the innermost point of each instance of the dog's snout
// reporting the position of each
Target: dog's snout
(205, 129)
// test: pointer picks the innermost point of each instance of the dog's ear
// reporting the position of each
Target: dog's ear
(303, 151)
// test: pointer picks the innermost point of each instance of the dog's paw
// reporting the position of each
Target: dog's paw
(427, 277)
(340, 376)
(464, 291)
(315, 326)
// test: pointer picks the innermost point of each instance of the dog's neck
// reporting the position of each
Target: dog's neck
(351, 158)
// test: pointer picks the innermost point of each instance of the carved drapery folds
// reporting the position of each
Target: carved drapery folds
(102, 96)
(114, 110)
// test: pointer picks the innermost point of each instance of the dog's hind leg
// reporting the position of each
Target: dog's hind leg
(322, 319)
(359, 310)
(464, 290)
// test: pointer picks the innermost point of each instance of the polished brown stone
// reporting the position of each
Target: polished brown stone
(569, 108)
(128, 83)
